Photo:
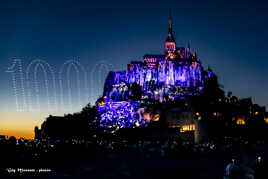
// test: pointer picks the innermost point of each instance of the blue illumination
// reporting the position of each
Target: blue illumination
(123, 114)
(157, 78)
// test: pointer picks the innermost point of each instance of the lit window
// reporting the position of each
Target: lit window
(185, 128)
(215, 114)
(240, 122)
(156, 117)
(170, 46)
(256, 113)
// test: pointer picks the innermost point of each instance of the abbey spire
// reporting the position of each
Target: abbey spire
(170, 44)
(170, 37)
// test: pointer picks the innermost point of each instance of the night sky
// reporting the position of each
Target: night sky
(229, 36)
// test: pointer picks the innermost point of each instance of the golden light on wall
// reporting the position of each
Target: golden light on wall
(266, 120)
(185, 128)
(146, 116)
(240, 121)
(156, 117)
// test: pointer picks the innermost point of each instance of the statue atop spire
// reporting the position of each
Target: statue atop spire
(170, 23)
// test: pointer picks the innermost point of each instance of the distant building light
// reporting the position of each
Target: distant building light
(215, 114)
(240, 122)
(185, 128)
(266, 120)
(219, 99)
(199, 118)
(197, 113)
(256, 113)
(156, 117)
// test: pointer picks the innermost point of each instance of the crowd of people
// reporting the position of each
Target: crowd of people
(56, 153)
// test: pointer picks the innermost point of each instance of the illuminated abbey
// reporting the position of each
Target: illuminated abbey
(168, 95)
(176, 74)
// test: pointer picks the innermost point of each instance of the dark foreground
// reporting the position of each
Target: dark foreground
(122, 159)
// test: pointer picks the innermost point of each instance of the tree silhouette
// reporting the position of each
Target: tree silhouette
(212, 90)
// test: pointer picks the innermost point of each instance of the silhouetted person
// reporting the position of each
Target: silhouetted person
(260, 168)
(236, 170)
